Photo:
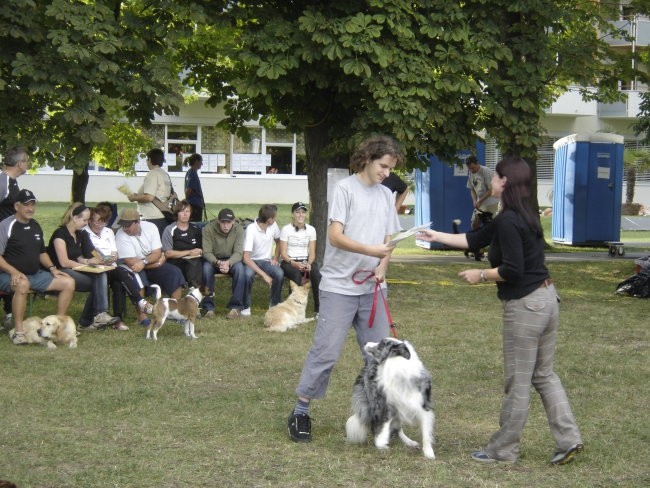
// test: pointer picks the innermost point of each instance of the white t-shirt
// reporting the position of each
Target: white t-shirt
(104, 242)
(260, 242)
(298, 240)
(368, 215)
(138, 246)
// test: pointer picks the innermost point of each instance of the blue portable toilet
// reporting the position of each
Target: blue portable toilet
(441, 195)
(587, 189)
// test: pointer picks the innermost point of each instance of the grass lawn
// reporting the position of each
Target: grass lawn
(121, 411)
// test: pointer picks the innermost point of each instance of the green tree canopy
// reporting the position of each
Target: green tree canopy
(69, 70)
(432, 74)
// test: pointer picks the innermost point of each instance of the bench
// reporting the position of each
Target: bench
(30, 300)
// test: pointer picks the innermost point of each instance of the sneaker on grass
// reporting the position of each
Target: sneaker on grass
(103, 318)
(18, 339)
(299, 427)
(246, 312)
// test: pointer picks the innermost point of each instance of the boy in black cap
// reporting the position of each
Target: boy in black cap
(223, 244)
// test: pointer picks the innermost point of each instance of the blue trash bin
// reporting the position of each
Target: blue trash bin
(441, 195)
(587, 189)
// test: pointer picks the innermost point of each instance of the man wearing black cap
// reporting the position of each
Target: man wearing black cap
(22, 259)
(223, 244)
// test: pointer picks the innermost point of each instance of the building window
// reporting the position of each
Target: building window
(182, 142)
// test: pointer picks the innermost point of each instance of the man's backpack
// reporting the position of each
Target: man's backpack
(244, 222)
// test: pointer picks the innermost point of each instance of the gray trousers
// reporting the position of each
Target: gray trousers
(529, 332)
(337, 313)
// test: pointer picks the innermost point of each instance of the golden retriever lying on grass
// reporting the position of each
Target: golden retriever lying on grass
(59, 329)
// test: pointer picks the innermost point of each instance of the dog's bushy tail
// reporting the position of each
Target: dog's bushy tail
(158, 291)
(356, 431)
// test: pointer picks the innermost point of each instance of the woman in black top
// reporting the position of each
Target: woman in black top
(530, 315)
(70, 247)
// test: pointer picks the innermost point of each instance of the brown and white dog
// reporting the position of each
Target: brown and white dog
(185, 310)
(291, 312)
(59, 329)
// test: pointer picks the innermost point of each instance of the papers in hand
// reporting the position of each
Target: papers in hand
(124, 188)
(408, 233)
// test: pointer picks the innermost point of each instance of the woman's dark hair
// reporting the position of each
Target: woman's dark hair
(156, 156)
(194, 158)
(516, 192)
(373, 148)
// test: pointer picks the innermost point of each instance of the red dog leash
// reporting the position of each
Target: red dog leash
(373, 311)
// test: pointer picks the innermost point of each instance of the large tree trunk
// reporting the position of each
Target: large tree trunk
(79, 185)
(317, 140)
(534, 203)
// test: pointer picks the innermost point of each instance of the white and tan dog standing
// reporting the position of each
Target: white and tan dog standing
(291, 312)
(52, 330)
(185, 310)
(393, 388)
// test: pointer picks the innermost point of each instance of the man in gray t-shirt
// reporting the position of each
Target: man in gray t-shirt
(479, 183)
(362, 218)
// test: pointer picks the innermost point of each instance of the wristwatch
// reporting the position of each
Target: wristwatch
(144, 260)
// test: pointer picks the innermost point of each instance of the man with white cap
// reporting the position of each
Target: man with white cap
(23, 261)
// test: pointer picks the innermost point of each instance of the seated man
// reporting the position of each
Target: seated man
(223, 244)
(259, 255)
(140, 250)
(22, 257)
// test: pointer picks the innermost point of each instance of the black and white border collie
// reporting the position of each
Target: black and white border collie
(393, 388)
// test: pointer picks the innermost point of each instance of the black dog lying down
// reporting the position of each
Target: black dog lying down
(393, 388)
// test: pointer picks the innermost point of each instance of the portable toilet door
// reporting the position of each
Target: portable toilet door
(441, 195)
(587, 189)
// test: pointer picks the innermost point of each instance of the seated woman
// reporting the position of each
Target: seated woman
(298, 251)
(181, 244)
(70, 247)
(121, 280)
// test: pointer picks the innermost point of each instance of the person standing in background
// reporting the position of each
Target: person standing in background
(14, 164)
(398, 187)
(157, 184)
(193, 190)
(479, 183)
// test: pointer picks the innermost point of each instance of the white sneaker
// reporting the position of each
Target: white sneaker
(104, 318)
(246, 312)
(8, 319)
